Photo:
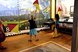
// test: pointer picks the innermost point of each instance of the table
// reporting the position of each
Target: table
(49, 24)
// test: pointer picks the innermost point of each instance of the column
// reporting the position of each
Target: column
(52, 8)
(75, 28)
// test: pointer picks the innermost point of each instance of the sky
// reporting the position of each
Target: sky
(12, 6)
(9, 4)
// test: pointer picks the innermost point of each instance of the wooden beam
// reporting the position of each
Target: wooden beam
(75, 28)
(52, 8)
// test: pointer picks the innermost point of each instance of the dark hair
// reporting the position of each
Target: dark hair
(57, 17)
(31, 15)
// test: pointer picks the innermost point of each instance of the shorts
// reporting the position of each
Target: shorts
(33, 31)
(57, 26)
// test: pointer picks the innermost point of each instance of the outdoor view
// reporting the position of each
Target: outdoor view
(16, 13)
(19, 11)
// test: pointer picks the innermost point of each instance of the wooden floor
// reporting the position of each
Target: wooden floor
(20, 42)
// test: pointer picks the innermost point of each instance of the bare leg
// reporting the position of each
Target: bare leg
(0, 44)
(2, 47)
(30, 38)
(36, 38)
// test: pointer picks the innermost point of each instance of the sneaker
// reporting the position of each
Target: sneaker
(2, 48)
(30, 40)
(37, 40)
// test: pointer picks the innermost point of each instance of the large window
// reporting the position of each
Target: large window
(18, 11)
(65, 8)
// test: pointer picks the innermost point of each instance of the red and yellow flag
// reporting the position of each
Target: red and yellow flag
(36, 4)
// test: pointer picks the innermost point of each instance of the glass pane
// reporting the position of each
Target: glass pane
(65, 8)
(21, 10)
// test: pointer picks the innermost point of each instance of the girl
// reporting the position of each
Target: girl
(33, 30)
(56, 31)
